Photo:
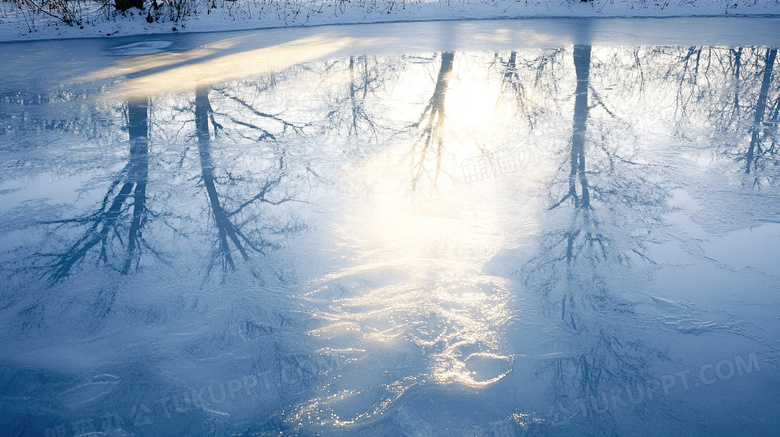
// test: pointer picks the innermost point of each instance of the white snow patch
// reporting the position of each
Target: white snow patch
(141, 48)
(22, 25)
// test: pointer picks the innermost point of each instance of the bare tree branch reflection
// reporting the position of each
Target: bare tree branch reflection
(124, 201)
(603, 201)
(756, 148)
(733, 89)
(430, 142)
(234, 230)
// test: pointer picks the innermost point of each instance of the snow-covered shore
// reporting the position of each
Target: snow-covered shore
(223, 15)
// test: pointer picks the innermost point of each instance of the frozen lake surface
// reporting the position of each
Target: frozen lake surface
(559, 227)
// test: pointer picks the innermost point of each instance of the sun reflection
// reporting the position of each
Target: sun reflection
(414, 295)
(470, 105)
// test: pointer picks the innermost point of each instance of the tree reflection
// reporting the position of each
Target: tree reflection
(581, 111)
(757, 148)
(734, 92)
(352, 111)
(123, 210)
(752, 112)
(524, 79)
(234, 226)
(612, 207)
(115, 231)
(428, 147)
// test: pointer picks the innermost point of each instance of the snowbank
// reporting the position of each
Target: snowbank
(23, 24)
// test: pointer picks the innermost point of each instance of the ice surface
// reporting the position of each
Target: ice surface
(549, 227)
